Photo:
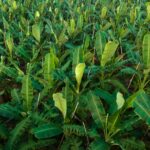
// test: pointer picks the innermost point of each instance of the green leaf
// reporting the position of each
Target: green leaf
(4, 132)
(148, 10)
(100, 42)
(46, 131)
(79, 70)
(78, 56)
(104, 12)
(27, 93)
(16, 133)
(113, 122)
(40, 144)
(131, 144)
(68, 94)
(49, 66)
(108, 52)
(146, 50)
(96, 108)
(7, 111)
(80, 22)
(142, 106)
(99, 144)
(9, 43)
(71, 28)
(60, 103)
(36, 32)
(120, 100)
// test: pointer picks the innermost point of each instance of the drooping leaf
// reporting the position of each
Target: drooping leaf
(108, 52)
(27, 92)
(46, 131)
(60, 103)
(146, 50)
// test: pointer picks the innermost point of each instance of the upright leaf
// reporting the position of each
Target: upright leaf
(27, 93)
(60, 103)
(120, 100)
(78, 56)
(100, 42)
(96, 108)
(36, 32)
(148, 11)
(49, 66)
(108, 52)
(79, 70)
(9, 43)
(146, 50)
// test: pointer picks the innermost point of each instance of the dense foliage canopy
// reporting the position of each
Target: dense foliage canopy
(74, 74)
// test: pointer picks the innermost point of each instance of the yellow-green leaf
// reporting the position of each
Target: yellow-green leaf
(108, 52)
(79, 70)
(103, 12)
(60, 103)
(120, 100)
(146, 50)
(9, 43)
(148, 10)
(36, 32)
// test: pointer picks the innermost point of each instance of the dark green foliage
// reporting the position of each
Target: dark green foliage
(74, 74)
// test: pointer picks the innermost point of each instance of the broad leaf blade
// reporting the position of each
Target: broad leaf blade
(108, 52)
(96, 108)
(99, 144)
(36, 32)
(100, 42)
(142, 106)
(46, 131)
(60, 103)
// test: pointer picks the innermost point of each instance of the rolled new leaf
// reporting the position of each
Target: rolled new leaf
(79, 70)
